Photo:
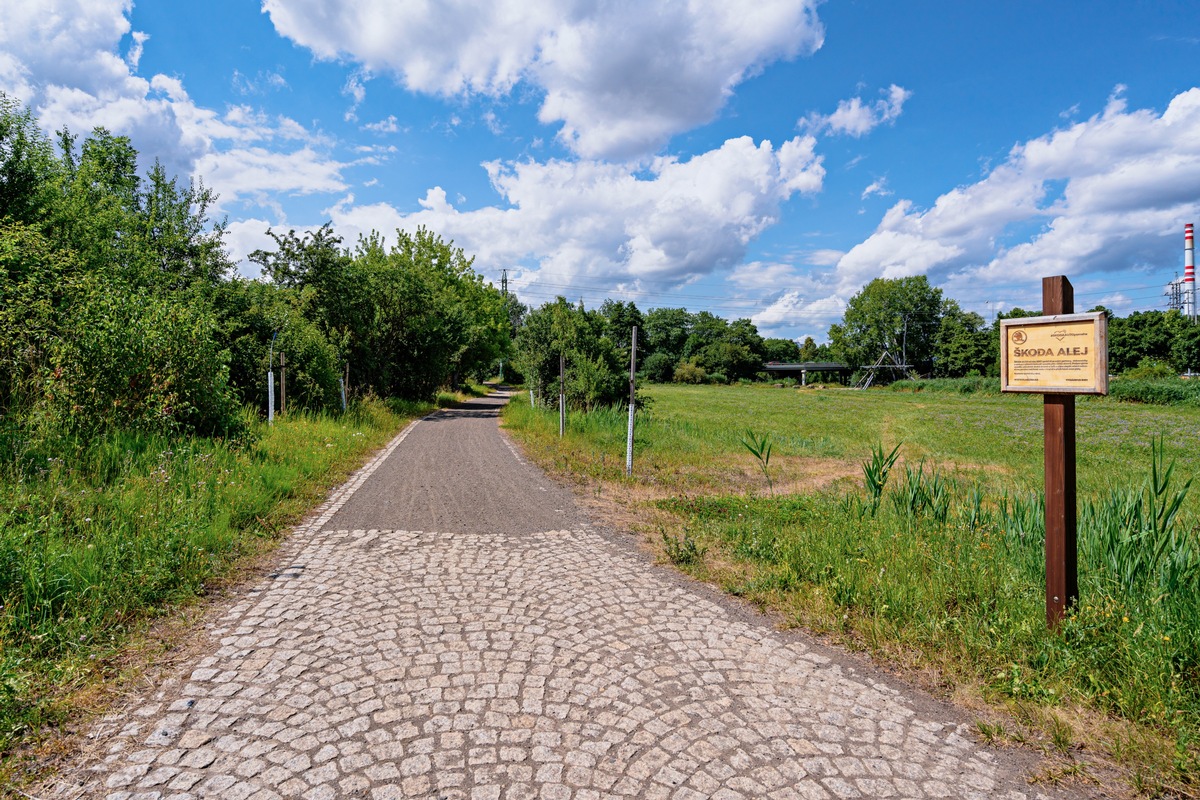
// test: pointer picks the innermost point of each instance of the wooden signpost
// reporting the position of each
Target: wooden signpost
(1060, 354)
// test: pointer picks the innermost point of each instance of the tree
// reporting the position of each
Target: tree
(782, 350)
(37, 290)
(811, 351)
(29, 171)
(706, 329)
(899, 315)
(1146, 335)
(332, 286)
(620, 319)
(962, 344)
(667, 331)
(177, 244)
(595, 374)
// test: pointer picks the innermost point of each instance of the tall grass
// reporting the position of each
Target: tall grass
(109, 532)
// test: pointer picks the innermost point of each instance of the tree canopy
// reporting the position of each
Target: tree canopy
(119, 306)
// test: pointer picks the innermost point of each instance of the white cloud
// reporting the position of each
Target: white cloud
(855, 118)
(261, 83)
(134, 56)
(61, 58)
(596, 221)
(357, 92)
(389, 125)
(1103, 195)
(256, 173)
(759, 275)
(493, 123)
(242, 238)
(878, 187)
(825, 257)
(791, 311)
(621, 78)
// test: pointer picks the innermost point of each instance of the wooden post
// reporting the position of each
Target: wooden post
(282, 383)
(1062, 580)
(632, 401)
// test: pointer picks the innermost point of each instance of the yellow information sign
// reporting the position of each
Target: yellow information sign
(1063, 354)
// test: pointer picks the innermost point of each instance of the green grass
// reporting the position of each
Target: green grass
(943, 569)
(100, 538)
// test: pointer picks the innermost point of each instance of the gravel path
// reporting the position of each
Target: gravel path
(448, 625)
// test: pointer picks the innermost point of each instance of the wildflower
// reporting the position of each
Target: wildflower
(1124, 619)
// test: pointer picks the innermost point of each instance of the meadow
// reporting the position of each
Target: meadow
(933, 560)
(100, 540)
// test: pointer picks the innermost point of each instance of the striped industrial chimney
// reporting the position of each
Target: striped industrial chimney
(1189, 267)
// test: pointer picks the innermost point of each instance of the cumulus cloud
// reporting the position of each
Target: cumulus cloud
(588, 220)
(1106, 194)
(792, 311)
(792, 300)
(257, 173)
(620, 79)
(856, 118)
(61, 58)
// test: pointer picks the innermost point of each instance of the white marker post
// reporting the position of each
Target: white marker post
(632, 402)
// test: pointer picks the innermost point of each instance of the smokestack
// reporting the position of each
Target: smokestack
(1189, 266)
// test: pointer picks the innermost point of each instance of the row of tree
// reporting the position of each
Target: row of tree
(673, 344)
(119, 305)
(901, 321)
(912, 321)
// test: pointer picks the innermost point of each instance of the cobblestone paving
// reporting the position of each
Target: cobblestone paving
(392, 663)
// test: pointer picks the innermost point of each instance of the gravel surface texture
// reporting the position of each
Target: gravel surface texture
(449, 625)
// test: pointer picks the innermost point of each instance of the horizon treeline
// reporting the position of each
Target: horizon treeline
(905, 318)
(120, 306)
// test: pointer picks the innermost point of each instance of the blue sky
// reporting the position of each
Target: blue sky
(760, 160)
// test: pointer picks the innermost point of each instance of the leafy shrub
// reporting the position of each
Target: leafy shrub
(973, 384)
(689, 372)
(592, 383)
(1151, 369)
(718, 378)
(658, 368)
(35, 286)
(1173, 392)
(130, 359)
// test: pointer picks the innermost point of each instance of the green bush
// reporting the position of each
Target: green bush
(36, 285)
(1151, 369)
(658, 368)
(969, 385)
(1173, 392)
(689, 372)
(130, 359)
